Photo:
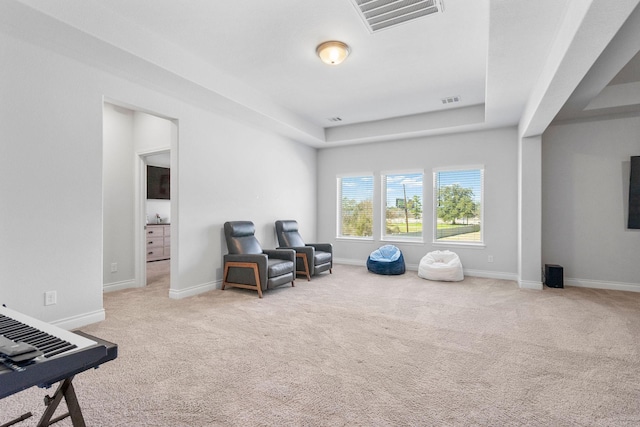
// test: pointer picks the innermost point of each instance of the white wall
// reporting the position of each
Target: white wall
(232, 172)
(119, 189)
(158, 207)
(495, 149)
(529, 212)
(151, 132)
(51, 114)
(51, 184)
(585, 183)
(126, 134)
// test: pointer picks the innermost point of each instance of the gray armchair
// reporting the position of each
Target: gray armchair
(248, 266)
(312, 258)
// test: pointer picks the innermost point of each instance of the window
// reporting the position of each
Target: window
(458, 205)
(402, 193)
(355, 202)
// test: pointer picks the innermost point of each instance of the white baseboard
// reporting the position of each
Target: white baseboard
(498, 275)
(414, 267)
(174, 294)
(523, 284)
(80, 320)
(194, 290)
(116, 286)
(597, 284)
(530, 284)
(346, 261)
(411, 267)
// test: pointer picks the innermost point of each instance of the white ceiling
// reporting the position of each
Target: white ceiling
(270, 46)
(257, 59)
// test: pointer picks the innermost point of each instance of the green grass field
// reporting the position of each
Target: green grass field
(401, 227)
(415, 229)
(416, 226)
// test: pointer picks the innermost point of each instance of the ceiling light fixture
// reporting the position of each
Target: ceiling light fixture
(333, 52)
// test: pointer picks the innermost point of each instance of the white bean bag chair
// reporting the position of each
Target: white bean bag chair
(441, 266)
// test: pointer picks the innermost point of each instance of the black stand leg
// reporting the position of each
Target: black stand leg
(18, 420)
(65, 389)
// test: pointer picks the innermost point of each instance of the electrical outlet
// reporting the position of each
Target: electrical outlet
(490, 258)
(114, 267)
(50, 298)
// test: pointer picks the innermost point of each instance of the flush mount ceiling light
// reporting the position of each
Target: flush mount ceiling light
(333, 52)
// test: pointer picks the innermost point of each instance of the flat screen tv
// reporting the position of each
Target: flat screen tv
(158, 183)
(634, 193)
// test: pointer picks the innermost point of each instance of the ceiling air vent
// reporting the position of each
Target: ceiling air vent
(334, 119)
(382, 14)
(451, 99)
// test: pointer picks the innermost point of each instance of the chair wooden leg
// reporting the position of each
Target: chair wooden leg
(257, 276)
(224, 275)
(306, 266)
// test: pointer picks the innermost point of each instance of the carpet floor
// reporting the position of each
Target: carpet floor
(358, 349)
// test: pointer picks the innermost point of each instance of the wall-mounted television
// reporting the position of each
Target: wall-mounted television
(158, 183)
(634, 193)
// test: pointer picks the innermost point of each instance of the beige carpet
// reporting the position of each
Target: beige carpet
(358, 349)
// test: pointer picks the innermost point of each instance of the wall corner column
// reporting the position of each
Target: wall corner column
(530, 212)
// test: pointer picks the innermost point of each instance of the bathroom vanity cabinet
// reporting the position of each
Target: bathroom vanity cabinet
(158, 242)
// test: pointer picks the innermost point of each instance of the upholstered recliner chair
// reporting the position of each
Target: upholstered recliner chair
(312, 258)
(248, 266)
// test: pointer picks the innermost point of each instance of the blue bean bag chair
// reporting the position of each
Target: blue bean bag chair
(387, 260)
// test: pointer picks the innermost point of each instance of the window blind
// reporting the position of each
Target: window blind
(458, 205)
(356, 206)
(403, 208)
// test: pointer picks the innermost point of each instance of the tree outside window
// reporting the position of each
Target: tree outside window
(356, 206)
(458, 205)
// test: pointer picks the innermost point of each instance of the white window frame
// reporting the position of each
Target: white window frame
(383, 206)
(339, 179)
(474, 243)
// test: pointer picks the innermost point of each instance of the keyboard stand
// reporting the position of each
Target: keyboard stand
(18, 420)
(79, 352)
(65, 390)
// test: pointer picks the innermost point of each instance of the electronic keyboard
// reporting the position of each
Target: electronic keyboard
(58, 354)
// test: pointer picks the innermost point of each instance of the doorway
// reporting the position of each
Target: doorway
(157, 170)
(131, 139)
